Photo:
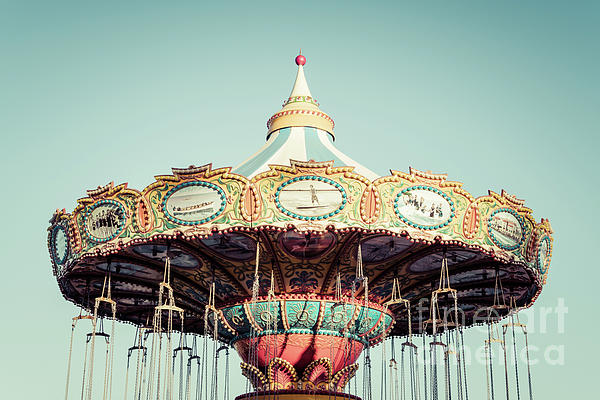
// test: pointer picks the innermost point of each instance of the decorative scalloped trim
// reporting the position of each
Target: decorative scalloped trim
(299, 331)
(286, 367)
(309, 112)
(309, 296)
(323, 394)
(323, 361)
(225, 323)
(341, 378)
(254, 375)
(416, 236)
(384, 333)
(300, 99)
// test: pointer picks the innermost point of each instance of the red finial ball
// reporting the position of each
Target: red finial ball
(300, 60)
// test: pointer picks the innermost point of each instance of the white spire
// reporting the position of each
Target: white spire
(300, 86)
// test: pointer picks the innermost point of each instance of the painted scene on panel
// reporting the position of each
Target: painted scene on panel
(310, 198)
(424, 207)
(105, 221)
(193, 203)
(506, 229)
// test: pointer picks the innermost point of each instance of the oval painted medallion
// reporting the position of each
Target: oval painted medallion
(193, 203)
(424, 207)
(543, 258)
(105, 220)
(506, 228)
(310, 198)
(59, 245)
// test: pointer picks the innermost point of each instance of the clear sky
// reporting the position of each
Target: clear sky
(498, 94)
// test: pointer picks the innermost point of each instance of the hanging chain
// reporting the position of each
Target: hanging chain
(435, 318)
(179, 351)
(491, 368)
(158, 372)
(424, 367)
(256, 282)
(252, 344)
(462, 345)
(73, 325)
(105, 297)
(396, 298)
(226, 390)
(447, 367)
(528, 364)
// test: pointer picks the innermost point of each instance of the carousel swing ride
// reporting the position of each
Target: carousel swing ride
(302, 261)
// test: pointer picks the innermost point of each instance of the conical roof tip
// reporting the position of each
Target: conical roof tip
(300, 86)
(300, 109)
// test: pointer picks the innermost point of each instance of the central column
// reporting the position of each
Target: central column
(300, 344)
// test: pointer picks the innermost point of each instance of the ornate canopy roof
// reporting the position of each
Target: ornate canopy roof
(309, 207)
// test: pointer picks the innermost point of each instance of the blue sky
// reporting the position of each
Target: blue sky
(500, 95)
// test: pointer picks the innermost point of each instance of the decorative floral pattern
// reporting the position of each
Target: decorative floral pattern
(302, 314)
(337, 316)
(303, 282)
(381, 291)
(382, 327)
(346, 282)
(236, 317)
(266, 314)
(263, 283)
(223, 289)
(367, 318)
